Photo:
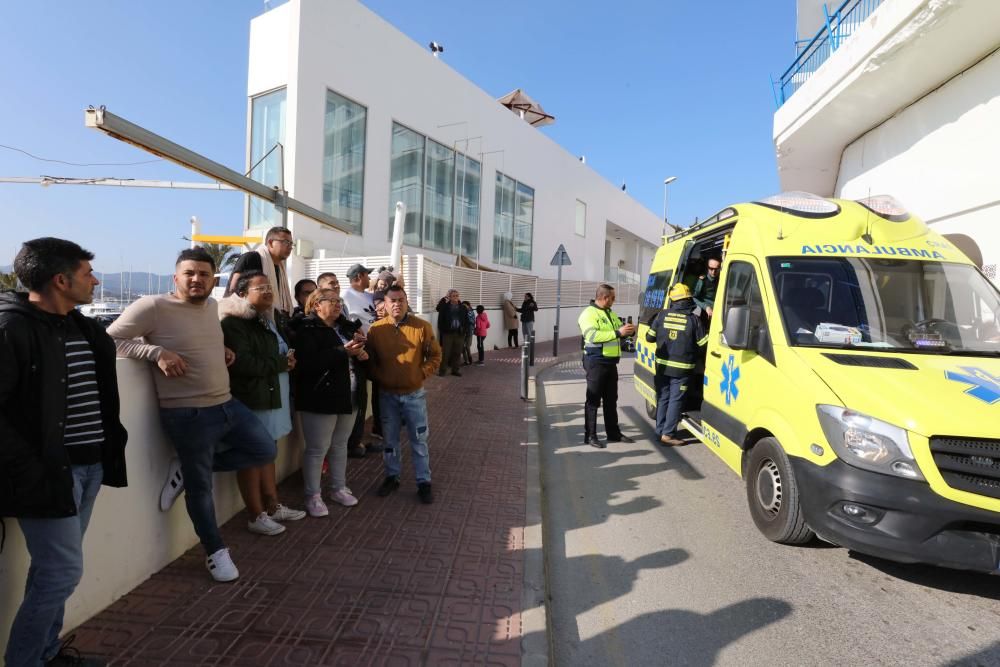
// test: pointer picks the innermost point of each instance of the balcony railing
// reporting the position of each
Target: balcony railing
(839, 27)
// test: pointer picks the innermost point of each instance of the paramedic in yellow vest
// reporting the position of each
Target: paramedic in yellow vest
(602, 333)
(678, 333)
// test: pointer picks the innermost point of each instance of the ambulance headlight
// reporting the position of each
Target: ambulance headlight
(865, 442)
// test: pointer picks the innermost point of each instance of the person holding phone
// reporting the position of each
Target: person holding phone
(327, 396)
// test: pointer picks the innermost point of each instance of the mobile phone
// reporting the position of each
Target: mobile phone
(628, 320)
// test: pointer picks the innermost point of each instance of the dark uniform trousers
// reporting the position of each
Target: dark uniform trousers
(602, 389)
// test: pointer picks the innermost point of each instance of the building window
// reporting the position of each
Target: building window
(441, 189)
(468, 183)
(514, 217)
(407, 181)
(439, 197)
(267, 129)
(344, 159)
(581, 218)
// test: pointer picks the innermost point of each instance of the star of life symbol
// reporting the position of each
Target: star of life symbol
(985, 386)
(730, 376)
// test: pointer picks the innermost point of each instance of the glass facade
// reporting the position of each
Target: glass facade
(469, 184)
(344, 159)
(267, 128)
(581, 218)
(441, 189)
(439, 197)
(514, 219)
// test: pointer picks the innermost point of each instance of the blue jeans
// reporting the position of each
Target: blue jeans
(56, 550)
(669, 401)
(196, 434)
(411, 409)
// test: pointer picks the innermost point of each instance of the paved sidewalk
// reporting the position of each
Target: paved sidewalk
(388, 582)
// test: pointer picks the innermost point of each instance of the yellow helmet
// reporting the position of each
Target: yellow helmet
(679, 291)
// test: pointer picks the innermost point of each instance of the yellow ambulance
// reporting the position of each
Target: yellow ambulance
(852, 375)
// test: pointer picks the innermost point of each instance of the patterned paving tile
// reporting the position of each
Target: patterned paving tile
(390, 582)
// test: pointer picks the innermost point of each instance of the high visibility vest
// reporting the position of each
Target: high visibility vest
(599, 328)
(678, 334)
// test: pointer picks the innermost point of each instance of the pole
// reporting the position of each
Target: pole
(524, 370)
(555, 332)
(531, 348)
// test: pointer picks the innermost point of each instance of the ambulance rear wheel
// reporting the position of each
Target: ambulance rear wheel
(650, 410)
(773, 495)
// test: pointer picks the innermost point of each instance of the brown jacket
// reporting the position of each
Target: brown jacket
(402, 355)
(509, 314)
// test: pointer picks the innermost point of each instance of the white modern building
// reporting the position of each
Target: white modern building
(368, 117)
(899, 97)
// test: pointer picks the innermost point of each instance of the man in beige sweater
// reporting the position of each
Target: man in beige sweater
(181, 334)
(403, 353)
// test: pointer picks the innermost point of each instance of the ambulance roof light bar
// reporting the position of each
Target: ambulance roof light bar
(802, 204)
(887, 207)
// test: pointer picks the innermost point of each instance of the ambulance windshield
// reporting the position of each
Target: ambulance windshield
(887, 304)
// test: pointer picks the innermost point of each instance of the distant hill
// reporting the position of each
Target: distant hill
(127, 286)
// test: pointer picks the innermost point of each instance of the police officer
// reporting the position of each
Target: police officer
(602, 332)
(706, 287)
(678, 333)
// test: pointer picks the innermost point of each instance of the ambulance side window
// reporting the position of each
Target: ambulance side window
(651, 301)
(742, 290)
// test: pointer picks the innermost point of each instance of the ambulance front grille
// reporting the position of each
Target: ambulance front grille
(971, 465)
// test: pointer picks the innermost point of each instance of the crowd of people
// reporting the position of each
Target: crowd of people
(230, 378)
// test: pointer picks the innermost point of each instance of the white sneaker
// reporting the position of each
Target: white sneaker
(221, 566)
(344, 497)
(315, 506)
(282, 513)
(265, 525)
(173, 487)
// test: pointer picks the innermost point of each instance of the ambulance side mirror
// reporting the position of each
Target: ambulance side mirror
(737, 328)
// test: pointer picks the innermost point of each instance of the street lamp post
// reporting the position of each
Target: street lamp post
(666, 182)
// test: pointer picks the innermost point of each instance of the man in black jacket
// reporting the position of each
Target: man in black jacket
(678, 334)
(453, 322)
(60, 433)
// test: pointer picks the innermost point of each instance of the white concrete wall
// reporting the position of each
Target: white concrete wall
(341, 45)
(129, 538)
(939, 156)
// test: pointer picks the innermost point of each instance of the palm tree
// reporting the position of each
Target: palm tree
(8, 281)
(225, 256)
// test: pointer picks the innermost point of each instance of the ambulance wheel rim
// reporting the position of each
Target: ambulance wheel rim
(769, 488)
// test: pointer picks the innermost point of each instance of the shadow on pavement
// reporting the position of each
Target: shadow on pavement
(963, 582)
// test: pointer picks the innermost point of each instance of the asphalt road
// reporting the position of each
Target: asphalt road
(652, 559)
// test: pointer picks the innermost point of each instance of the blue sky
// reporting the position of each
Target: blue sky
(644, 88)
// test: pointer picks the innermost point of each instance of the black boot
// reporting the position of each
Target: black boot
(590, 427)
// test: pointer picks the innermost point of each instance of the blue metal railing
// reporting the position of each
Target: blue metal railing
(839, 27)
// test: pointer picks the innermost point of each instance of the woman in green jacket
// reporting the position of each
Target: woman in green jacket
(259, 379)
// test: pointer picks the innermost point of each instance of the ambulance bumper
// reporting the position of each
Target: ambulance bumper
(897, 519)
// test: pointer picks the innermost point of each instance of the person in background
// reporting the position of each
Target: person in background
(303, 289)
(269, 258)
(211, 431)
(404, 354)
(259, 379)
(359, 305)
(706, 288)
(327, 393)
(384, 281)
(61, 437)
(453, 320)
(602, 332)
(528, 309)
(510, 319)
(469, 332)
(481, 327)
(678, 333)
(328, 280)
(378, 299)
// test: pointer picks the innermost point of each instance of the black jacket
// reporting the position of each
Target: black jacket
(678, 334)
(527, 310)
(445, 320)
(35, 476)
(253, 377)
(321, 378)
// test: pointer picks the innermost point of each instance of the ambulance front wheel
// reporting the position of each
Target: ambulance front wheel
(773, 495)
